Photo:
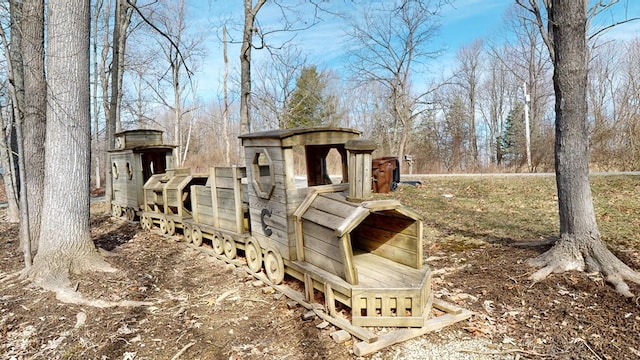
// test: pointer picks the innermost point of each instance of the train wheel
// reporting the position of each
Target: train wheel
(274, 267)
(253, 254)
(196, 236)
(149, 222)
(171, 227)
(230, 247)
(186, 231)
(131, 214)
(218, 244)
(163, 225)
(117, 210)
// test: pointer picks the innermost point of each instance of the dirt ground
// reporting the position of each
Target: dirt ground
(205, 309)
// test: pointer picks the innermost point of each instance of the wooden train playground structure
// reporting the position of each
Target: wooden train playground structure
(287, 216)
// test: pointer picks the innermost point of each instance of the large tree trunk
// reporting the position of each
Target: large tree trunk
(65, 238)
(35, 108)
(579, 247)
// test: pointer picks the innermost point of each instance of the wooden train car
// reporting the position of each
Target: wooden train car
(167, 199)
(302, 207)
(137, 156)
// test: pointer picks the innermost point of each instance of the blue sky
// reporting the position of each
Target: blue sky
(461, 24)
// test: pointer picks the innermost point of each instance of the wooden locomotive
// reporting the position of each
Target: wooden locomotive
(288, 215)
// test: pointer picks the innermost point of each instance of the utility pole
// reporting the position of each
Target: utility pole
(527, 99)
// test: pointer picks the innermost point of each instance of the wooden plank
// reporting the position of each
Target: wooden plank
(329, 300)
(356, 217)
(308, 288)
(325, 263)
(237, 191)
(315, 238)
(391, 222)
(332, 206)
(194, 200)
(350, 272)
(344, 324)
(320, 217)
(379, 205)
(319, 138)
(365, 348)
(225, 182)
(299, 230)
(374, 236)
(376, 271)
(447, 306)
(215, 218)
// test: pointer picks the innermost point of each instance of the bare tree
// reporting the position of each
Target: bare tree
(250, 12)
(180, 51)
(494, 102)
(389, 43)
(579, 246)
(468, 78)
(274, 81)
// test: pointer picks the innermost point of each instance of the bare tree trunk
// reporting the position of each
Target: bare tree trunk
(8, 177)
(112, 117)
(35, 108)
(250, 12)
(579, 247)
(225, 111)
(65, 239)
(95, 141)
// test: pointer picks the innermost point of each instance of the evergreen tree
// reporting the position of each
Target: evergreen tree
(308, 105)
(512, 141)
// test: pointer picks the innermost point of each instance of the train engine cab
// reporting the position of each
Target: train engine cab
(312, 217)
(137, 156)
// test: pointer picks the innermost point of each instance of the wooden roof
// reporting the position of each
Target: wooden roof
(301, 136)
(285, 133)
(333, 211)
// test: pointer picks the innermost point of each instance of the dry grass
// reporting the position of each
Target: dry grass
(469, 211)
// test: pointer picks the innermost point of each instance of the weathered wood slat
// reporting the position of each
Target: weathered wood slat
(332, 206)
(320, 217)
(323, 262)
(391, 223)
(321, 240)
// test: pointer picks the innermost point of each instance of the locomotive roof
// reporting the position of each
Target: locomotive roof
(285, 133)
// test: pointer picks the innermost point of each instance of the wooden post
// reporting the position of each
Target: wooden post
(359, 158)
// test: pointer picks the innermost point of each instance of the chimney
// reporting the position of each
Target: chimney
(359, 161)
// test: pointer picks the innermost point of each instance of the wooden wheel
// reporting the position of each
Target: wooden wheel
(230, 247)
(218, 244)
(150, 224)
(117, 210)
(253, 253)
(143, 223)
(196, 236)
(163, 225)
(131, 214)
(274, 267)
(186, 231)
(171, 227)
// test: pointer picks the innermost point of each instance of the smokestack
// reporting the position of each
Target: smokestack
(359, 161)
